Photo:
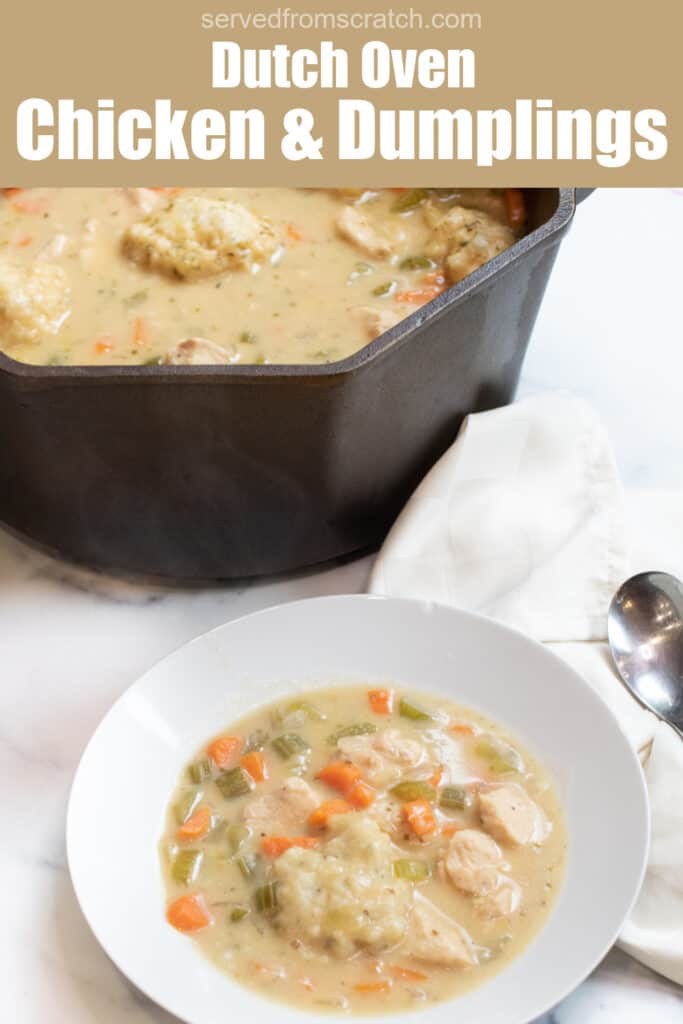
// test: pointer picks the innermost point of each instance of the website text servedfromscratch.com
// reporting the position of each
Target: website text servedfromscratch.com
(286, 18)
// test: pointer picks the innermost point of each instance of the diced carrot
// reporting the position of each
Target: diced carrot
(381, 701)
(436, 778)
(406, 974)
(139, 330)
(196, 826)
(10, 192)
(30, 206)
(461, 729)
(418, 297)
(103, 345)
(188, 914)
(372, 986)
(451, 829)
(322, 814)
(275, 846)
(307, 984)
(223, 750)
(294, 233)
(23, 242)
(360, 795)
(340, 775)
(434, 278)
(419, 815)
(255, 763)
(515, 207)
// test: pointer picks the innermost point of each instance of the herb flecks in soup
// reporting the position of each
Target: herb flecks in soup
(363, 850)
(200, 276)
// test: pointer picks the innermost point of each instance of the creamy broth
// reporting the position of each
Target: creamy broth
(363, 850)
(135, 276)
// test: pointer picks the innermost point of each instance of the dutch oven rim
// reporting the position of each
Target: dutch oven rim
(391, 339)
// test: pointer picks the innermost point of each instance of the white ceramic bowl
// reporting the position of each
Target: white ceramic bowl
(133, 761)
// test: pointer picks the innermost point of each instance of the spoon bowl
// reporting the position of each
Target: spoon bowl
(645, 632)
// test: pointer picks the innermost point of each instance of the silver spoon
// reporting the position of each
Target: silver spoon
(645, 632)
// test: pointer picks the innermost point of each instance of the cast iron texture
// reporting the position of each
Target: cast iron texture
(198, 473)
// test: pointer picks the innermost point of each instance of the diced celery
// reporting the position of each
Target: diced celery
(186, 804)
(308, 710)
(416, 263)
(412, 870)
(199, 771)
(456, 797)
(235, 836)
(409, 200)
(265, 898)
(238, 913)
(357, 729)
(256, 741)
(289, 744)
(186, 865)
(235, 782)
(247, 864)
(407, 709)
(413, 790)
(502, 759)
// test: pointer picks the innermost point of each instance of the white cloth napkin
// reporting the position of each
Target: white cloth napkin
(524, 520)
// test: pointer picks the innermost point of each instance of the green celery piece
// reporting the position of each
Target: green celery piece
(357, 729)
(186, 804)
(407, 709)
(238, 913)
(289, 744)
(265, 898)
(199, 771)
(502, 759)
(413, 790)
(235, 782)
(186, 865)
(409, 200)
(455, 797)
(411, 870)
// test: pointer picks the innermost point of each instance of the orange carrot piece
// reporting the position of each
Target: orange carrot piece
(103, 345)
(275, 846)
(188, 914)
(418, 297)
(406, 974)
(23, 242)
(451, 829)
(139, 330)
(436, 778)
(461, 729)
(381, 701)
(434, 278)
(223, 750)
(255, 764)
(515, 207)
(322, 814)
(29, 206)
(361, 795)
(340, 775)
(294, 233)
(10, 192)
(196, 826)
(369, 987)
(419, 815)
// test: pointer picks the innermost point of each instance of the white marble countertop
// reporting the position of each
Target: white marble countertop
(70, 644)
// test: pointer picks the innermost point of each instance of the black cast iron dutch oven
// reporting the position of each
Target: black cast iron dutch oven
(199, 473)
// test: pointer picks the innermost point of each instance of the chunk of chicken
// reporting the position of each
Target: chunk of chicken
(196, 352)
(34, 301)
(503, 902)
(355, 226)
(195, 236)
(473, 862)
(383, 756)
(510, 815)
(465, 239)
(437, 938)
(284, 811)
(377, 321)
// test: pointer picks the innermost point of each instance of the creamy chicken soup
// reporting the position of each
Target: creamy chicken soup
(362, 850)
(137, 275)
